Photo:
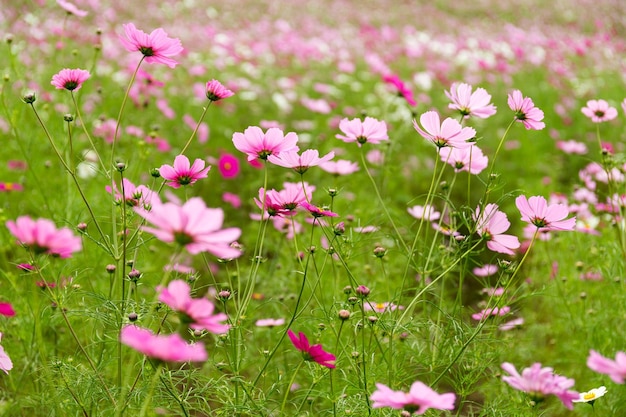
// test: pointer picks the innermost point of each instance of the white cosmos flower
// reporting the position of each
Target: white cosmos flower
(591, 395)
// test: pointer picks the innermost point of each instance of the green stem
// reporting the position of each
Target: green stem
(206, 108)
(148, 400)
(288, 388)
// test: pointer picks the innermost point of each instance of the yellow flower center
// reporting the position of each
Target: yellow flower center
(589, 396)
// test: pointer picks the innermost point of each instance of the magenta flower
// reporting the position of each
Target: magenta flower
(42, 236)
(449, 133)
(216, 91)
(599, 111)
(470, 159)
(313, 353)
(6, 309)
(535, 210)
(182, 173)
(196, 311)
(5, 362)
(193, 226)
(228, 165)
(490, 312)
(284, 202)
(317, 211)
(300, 163)
(257, 144)
(615, 369)
(70, 79)
(491, 223)
(155, 47)
(468, 103)
(340, 167)
(70, 8)
(540, 382)
(170, 348)
(133, 196)
(369, 130)
(419, 398)
(525, 111)
(401, 88)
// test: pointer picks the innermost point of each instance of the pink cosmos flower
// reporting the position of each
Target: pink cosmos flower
(6, 309)
(193, 226)
(269, 322)
(401, 88)
(419, 398)
(155, 47)
(284, 202)
(232, 199)
(133, 196)
(340, 167)
(470, 159)
(540, 382)
(369, 130)
(468, 103)
(535, 210)
(42, 236)
(182, 173)
(449, 133)
(488, 312)
(6, 187)
(5, 362)
(572, 147)
(511, 324)
(300, 163)
(599, 111)
(491, 223)
(313, 353)
(216, 91)
(381, 307)
(427, 212)
(170, 348)
(257, 144)
(197, 311)
(615, 369)
(485, 270)
(317, 211)
(525, 111)
(228, 165)
(70, 8)
(70, 79)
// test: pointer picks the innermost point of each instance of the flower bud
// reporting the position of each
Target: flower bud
(343, 314)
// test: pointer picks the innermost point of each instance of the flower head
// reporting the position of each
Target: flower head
(317, 211)
(340, 167)
(615, 369)
(449, 133)
(6, 309)
(313, 353)
(468, 103)
(216, 91)
(300, 163)
(599, 111)
(70, 8)
(470, 159)
(70, 79)
(490, 312)
(535, 210)
(427, 212)
(525, 111)
(5, 362)
(591, 395)
(257, 144)
(491, 224)
(131, 195)
(182, 173)
(42, 236)
(369, 130)
(170, 348)
(228, 165)
(401, 88)
(156, 47)
(419, 398)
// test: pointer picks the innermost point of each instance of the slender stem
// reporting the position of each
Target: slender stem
(288, 388)
(91, 142)
(148, 400)
(196, 129)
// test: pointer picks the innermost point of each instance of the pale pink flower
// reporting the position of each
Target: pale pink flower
(401, 88)
(381, 307)
(360, 131)
(511, 324)
(257, 144)
(572, 147)
(470, 159)
(599, 111)
(42, 236)
(156, 47)
(525, 111)
(615, 369)
(535, 210)
(193, 226)
(313, 353)
(70, 8)
(70, 79)
(486, 270)
(316, 105)
(177, 296)
(469, 104)
(170, 348)
(5, 362)
(182, 173)
(427, 212)
(216, 91)
(492, 311)
(133, 196)
(540, 382)
(232, 199)
(449, 133)
(340, 167)
(419, 398)
(491, 223)
(269, 322)
(300, 163)
(493, 292)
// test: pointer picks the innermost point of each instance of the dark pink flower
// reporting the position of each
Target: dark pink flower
(133, 196)
(42, 236)
(70, 79)
(313, 353)
(491, 224)
(449, 133)
(6, 309)
(300, 163)
(156, 47)
(6, 187)
(317, 211)
(257, 144)
(170, 348)
(615, 369)
(182, 173)
(599, 111)
(540, 382)
(401, 88)
(228, 165)
(216, 91)
(525, 111)
(369, 130)
(535, 210)
(419, 398)
(468, 103)
(5, 362)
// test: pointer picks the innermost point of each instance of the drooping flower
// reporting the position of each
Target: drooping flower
(535, 210)
(525, 111)
(168, 348)
(449, 133)
(401, 88)
(216, 91)
(42, 236)
(615, 369)
(477, 103)
(313, 353)
(198, 312)
(156, 47)
(70, 79)
(300, 163)
(228, 165)
(193, 226)
(317, 211)
(540, 382)
(257, 144)
(5, 362)
(491, 224)
(419, 398)
(599, 111)
(470, 159)
(485, 270)
(360, 131)
(591, 395)
(182, 173)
